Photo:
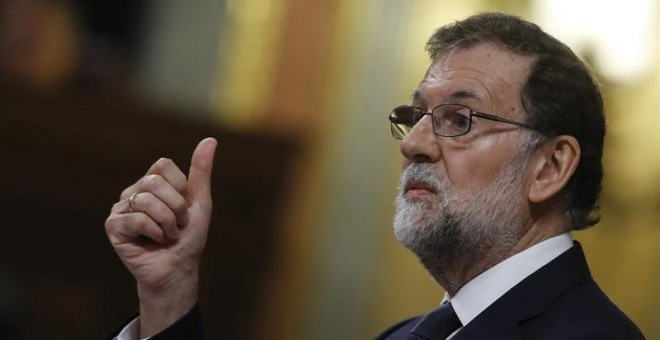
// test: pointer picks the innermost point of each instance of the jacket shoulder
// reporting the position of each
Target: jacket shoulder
(584, 312)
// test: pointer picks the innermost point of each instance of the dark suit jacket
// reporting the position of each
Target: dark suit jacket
(558, 301)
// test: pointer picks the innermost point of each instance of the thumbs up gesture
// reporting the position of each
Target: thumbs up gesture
(159, 228)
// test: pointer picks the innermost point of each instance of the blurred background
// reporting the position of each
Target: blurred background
(297, 92)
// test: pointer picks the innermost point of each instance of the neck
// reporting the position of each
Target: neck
(454, 270)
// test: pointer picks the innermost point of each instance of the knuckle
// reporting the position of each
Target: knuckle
(144, 198)
(165, 161)
(180, 206)
(148, 202)
(125, 194)
(110, 223)
(162, 164)
(116, 225)
(137, 221)
(152, 181)
(169, 219)
(115, 207)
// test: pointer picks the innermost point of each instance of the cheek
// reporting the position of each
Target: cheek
(477, 166)
(466, 171)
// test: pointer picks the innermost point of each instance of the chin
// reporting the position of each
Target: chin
(415, 224)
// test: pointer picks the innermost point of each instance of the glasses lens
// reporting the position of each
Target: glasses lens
(402, 120)
(399, 130)
(451, 120)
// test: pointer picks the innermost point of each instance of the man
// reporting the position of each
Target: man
(502, 145)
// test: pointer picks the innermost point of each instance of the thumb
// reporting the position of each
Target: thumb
(201, 166)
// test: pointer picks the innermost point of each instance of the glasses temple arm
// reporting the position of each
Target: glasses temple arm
(500, 119)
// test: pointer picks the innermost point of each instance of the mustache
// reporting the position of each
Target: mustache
(422, 174)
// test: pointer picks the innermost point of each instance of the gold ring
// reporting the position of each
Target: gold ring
(131, 203)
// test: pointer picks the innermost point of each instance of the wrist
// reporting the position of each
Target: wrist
(164, 305)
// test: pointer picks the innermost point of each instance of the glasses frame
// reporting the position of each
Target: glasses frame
(421, 113)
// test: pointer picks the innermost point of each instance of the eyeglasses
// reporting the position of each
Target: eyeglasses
(449, 120)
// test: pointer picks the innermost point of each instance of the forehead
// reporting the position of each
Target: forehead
(485, 73)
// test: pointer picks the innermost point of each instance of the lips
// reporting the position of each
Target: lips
(419, 189)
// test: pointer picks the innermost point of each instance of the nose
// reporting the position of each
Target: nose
(420, 144)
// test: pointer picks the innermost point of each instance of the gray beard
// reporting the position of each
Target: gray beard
(460, 229)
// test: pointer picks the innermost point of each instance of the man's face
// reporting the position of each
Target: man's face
(466, 193)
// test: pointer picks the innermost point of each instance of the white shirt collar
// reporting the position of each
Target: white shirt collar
(130, 331)
(475, 296)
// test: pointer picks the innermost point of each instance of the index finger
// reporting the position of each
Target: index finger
(166, 168)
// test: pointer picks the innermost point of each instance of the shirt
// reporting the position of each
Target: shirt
(479, 293)
(131, 331)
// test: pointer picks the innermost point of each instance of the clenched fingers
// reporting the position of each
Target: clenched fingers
(123, 228)
(154, 208)
(162, 190)
(166, 168)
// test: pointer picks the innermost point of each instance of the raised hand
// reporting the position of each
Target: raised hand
(159, 228)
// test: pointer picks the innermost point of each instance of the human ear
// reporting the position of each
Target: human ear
(559, 158)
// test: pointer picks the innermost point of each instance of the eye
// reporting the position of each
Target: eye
(455, 118)
(451, 120)
(458, 120)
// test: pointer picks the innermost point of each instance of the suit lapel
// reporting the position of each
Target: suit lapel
(529, 298)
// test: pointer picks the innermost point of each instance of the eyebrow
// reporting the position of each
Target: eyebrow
(460, 94)
(464, 94)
